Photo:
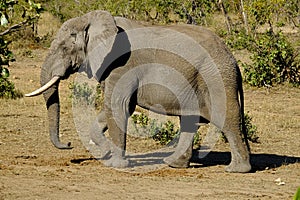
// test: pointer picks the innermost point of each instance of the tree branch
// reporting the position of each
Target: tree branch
(14, 28)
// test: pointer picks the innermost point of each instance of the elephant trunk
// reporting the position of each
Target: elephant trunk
(51, 97)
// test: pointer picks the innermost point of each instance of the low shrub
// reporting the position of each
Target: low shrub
(274, 61)
(251, 129)
(7, 88)
(163, 133)
(14, 17)
(87, 94)
(82, 93)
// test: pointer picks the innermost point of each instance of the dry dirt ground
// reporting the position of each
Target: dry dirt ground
(31, 168)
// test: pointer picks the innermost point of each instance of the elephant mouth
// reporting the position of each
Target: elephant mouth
(45, 87)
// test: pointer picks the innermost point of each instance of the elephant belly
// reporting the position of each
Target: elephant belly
(170, 101)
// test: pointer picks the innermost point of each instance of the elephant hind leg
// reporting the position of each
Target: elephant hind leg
(240, 159)
(183, 151)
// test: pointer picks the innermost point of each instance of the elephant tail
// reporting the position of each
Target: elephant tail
(241, 96)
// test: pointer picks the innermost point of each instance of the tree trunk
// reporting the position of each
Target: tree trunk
(244, 15)
(227, 18)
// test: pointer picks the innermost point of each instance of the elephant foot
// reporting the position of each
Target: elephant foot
(99, 143)
(101, 149)
(183, 152)
(177, 162)
(238, 167)
(117, 159)
(116, 162)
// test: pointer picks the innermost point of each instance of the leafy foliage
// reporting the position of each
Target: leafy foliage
(82, 93)
(274, 61)
(7, 88)
(251, 129)
(89, 95)
(297, 195)
(238, 39)
(140, 119)
(163, 133)
(270, 12)
(158, 11)
(14, 15)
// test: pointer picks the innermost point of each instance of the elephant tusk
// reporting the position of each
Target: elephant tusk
(43, 88)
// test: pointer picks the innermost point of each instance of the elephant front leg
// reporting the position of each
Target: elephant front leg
(118, 102)
(103, 145)
(117, 133)
(183, 151)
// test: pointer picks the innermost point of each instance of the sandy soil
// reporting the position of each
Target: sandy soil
(31, 168)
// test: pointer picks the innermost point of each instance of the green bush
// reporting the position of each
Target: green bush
(158, 11)
(7, 88)
(89, 95)
(14, 16)
(251, 129)
(82, 93)
(140, 119)
(197, 140)
(274, 61)
(163, 133)
(238, 39)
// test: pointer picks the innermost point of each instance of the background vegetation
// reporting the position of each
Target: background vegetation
(14, 17)
(274, 59)
(255, 26)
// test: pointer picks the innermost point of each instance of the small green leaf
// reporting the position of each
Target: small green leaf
(297, 195)
(5, 72)
(3, 20)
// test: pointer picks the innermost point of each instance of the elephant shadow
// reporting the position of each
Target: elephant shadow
(148, 159)
(259, 161)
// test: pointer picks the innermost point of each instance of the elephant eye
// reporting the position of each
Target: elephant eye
(73, 35)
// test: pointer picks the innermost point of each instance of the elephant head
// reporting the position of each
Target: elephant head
(68, 52)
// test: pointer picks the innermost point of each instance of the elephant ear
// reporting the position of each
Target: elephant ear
(100, 31)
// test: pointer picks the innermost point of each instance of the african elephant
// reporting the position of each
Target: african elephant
(180, 70)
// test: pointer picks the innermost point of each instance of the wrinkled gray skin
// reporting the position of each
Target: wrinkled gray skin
(79, 36)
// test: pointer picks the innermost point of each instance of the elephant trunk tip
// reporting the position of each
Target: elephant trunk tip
(63, 146)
